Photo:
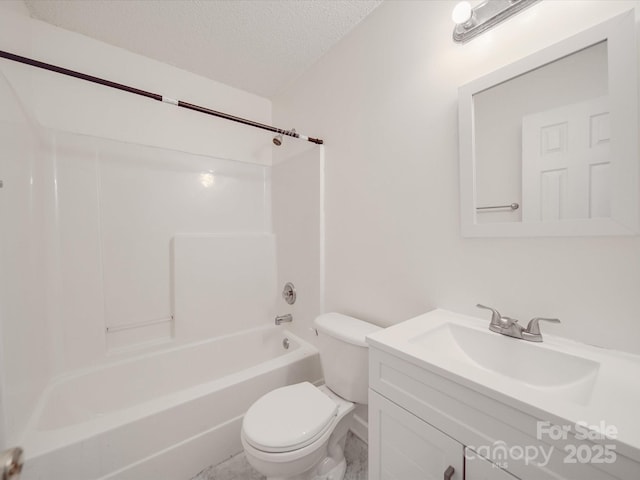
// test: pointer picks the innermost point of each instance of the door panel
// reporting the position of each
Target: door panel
(565, 162)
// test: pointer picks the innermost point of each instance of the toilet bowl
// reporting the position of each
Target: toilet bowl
(298, 432)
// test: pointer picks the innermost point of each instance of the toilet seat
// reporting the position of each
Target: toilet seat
(289, 418)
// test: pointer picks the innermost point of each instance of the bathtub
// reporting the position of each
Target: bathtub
(165, 415)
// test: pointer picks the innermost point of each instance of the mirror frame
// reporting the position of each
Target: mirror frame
(619, 32)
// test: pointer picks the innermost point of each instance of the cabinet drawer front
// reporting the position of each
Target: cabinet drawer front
(403, 447)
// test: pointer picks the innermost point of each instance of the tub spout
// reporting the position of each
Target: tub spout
(288, 318)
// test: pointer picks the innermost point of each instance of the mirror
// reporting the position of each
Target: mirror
(548, 144)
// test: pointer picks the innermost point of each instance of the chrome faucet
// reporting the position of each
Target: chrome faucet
(500, 324)
(510, 326)
(532, 332)
(288, 318)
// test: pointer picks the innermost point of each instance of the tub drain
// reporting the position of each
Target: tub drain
(285, 343)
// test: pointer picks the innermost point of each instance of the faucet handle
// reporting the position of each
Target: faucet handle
(533, 327)
(495, 314)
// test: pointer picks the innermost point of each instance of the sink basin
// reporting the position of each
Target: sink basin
(524, 362)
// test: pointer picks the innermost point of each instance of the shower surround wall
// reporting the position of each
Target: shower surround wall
(386, 106)
(108, 199)
(144, 234)
(298, 222)
(24, 367)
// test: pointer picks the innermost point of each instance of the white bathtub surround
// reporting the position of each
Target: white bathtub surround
(25, 364)
(151, 414)
(228, 278)
(96, 185)
(298, 222)
(117, 213)
(237, 467)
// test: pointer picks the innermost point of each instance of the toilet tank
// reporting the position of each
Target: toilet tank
(344, 354)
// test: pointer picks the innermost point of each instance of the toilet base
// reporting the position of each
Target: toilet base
(337, 473)
(331, 468)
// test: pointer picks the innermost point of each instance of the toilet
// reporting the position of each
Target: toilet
(298, 432)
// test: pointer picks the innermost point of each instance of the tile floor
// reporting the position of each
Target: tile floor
(237, 466)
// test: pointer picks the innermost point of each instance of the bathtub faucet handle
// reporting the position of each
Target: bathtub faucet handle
(288, 318)
(289, 293)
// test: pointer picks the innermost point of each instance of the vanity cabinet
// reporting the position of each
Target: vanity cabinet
(421, 422)
(405, 447)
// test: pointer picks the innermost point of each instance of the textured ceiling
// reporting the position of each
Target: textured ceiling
(257, 45)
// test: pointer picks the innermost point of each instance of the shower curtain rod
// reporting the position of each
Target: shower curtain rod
(153, 96)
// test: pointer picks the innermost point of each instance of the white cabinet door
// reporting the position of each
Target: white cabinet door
(478, 468)
(403, 447)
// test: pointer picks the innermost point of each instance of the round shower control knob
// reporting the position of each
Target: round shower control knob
(289, 293)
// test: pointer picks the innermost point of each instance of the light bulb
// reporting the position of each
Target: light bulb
(461, 13)
(207, 179)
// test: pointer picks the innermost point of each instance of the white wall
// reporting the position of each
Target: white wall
(385, 102)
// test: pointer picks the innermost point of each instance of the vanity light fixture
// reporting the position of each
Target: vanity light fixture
(472, 21)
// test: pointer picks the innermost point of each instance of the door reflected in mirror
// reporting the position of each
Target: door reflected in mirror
(548, 144)
(542, 142)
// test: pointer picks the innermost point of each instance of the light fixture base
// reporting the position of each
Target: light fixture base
(487, 15)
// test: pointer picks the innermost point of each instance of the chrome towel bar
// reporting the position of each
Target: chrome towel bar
(513, 206)
(142, 323)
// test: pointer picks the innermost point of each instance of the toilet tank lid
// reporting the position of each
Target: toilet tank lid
(345, 328)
